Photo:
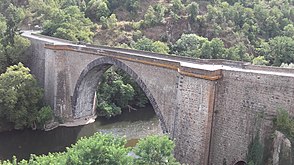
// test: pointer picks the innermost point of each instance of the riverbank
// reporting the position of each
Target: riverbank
(79, 122)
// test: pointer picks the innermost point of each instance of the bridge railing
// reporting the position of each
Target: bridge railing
(238, 64)
(269, 68)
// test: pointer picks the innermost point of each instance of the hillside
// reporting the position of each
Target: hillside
(259, 31)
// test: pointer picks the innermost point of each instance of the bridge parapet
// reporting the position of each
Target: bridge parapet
(159, 62)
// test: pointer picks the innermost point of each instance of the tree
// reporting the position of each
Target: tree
(281, 50)
(189, 45)
(289, 30)
(108, 23)
(150, 17)
(11, 49)
(156, 150)
(104, 149)
(147, 44)
(3, 26)
(20, 95)
(69, 23)
(192, 10)
(213, 49)
(177, 6)
(44, 115)
(96, 9)
(113, 94)
(14, 16)
(132, 5)
(260, 60)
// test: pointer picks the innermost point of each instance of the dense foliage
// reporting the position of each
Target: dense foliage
(155, 150)
(116, 91)
(257, 31)
(105, 149)
(12, 45)
(20, 98)
(285, 124)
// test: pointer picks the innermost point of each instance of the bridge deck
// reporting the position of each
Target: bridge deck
(201, 64)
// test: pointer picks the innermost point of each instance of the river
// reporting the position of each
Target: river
(134, 125)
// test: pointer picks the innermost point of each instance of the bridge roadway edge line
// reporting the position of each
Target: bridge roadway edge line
(172, 67)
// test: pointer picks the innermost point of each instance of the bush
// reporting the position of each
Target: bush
(155, 150)
(285, 124)
(44, 115)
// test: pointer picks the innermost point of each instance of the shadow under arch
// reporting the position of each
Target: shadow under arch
(84, 93)
(240, 163)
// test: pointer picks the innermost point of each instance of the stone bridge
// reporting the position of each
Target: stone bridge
(211, 108)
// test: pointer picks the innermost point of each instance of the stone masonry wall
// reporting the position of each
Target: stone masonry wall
(245, 104)
(36, 60)
(193, 120)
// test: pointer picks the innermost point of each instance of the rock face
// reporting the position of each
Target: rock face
(282, 150)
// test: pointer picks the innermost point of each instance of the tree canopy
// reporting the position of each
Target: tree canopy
(16, 86)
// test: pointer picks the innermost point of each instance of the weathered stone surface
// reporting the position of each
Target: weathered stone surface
(282, 153)
(246, 103)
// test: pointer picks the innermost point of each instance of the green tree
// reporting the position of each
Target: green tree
(192, 10)
(213, 49)
(96, 9)
(101, 149)
(108, 23)
(155, 150)
(113, 94)
(284, 123)
(281, 50)
(69, 23)
(132, 5)
(20, 95)
(150, 17)
(147, 44)
(45, 114)
(260, 60)
(238, 53)
(289, 30)
(3, 26)
(177, 6)
(12, 45)
(189, 45)
(14, 16)
(106, 149)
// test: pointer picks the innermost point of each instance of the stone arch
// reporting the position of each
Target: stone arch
(82, 101)
(240, 163)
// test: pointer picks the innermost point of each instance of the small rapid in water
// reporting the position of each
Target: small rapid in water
(133, 125)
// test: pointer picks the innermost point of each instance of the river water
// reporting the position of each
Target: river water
(134, 125)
